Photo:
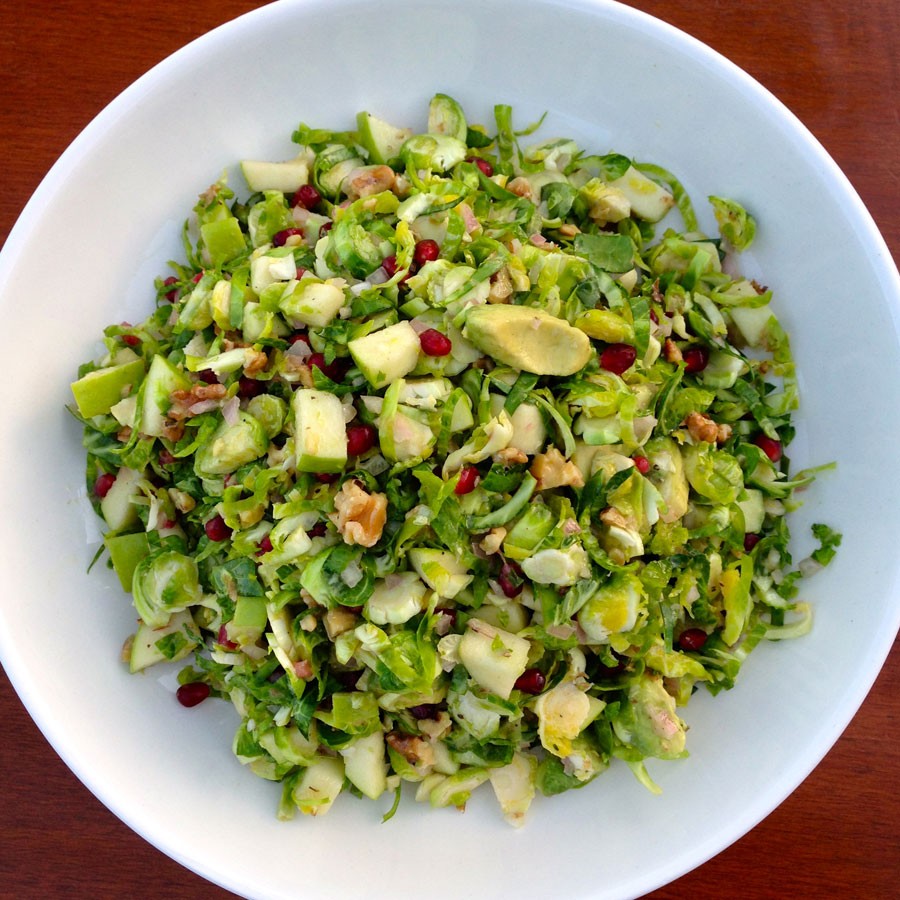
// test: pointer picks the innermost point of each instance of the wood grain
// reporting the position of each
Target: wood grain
(836, 67)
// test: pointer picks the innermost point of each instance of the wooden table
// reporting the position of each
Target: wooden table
(836, 66)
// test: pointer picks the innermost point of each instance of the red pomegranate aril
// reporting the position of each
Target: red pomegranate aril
(264, 546)
(325, 229)
(279, 239)
(306, 196)
(434, 343)
(696, 359)
(131, 339)
(641, 463)
(223, 640)
(750, 541)
(509, 580)
(103, 484)
(769, 446)
(692, 639)
(172, 295)
(192, 693)
(320, 529)
(654, 318)
(250, 387)
(166, 457)
(531, 681)
(482, 164)
(360, 438)
(197, 277)
(208, 376)
(325, 477)
(618, 358)
(300, 336)
(424, 711)
(216, 529)
(426, 251)
(389, 264)
(467, 481)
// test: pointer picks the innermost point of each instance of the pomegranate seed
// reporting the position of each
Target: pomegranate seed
(426, 251)
(300, 336)
(264, 546)
(131, 339)
(325, 229)
(300, 272)
(318, 530)
(641, 463)
(222, 639)
(193, 693)
(618, 358)
(769, 446)
(482, 164)
(510, 579)
(531, 681)
(279, 239)
(197, 277)
(103, 484)
(696, 359)
(325, 477)
(208, 376)
(389, 264)
(166, 458)
(172, 295)
(424, 711)
(250, 387)
(750, 541)
(306, 196)
(216, 529)
(335, 370)
(654, 318)
(469, 477)
(360, 438)
(434, 343)
(692, 639)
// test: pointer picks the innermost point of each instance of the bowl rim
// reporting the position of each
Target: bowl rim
(17, 668)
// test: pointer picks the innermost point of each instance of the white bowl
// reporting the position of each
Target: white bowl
(128, 182)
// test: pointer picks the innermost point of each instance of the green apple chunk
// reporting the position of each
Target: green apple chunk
(284, 176)
(320, 433)
(145, 649)
(365, 765)
(162, 379)
(649, 201)
(125, 552)
(386, 355)
(98, 391)
(310, 302)
(495, 658)
(116, 507)
(381, 140)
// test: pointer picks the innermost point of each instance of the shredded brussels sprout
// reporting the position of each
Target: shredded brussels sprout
(450, 465)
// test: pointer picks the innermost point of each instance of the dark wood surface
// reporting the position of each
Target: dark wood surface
(836, 66)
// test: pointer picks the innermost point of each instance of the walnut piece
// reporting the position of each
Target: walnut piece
(368, 180)
(414, 750)
(552, 469)
(359, 516)
(493, 540)
(510, 456)
(702, 428)
(521, 187)
(671, 351)
(183, 401)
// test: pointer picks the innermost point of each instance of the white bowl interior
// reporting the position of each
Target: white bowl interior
(107, 218)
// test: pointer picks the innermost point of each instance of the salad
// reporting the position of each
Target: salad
(447, 463)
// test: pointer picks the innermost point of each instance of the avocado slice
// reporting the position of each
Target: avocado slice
(528, 339)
